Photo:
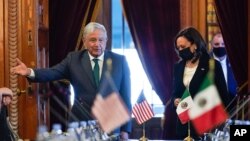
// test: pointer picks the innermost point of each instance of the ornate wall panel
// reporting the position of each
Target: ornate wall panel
(193, 13)
(212, 24)
(1, 44)
(18, 39)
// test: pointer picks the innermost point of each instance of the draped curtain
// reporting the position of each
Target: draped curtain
(153, 25)
(232, 18)
(66, 18)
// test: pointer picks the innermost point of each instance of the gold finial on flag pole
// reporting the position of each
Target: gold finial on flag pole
(188, 138)
(143, 138)
(140, 110)
(211, 69)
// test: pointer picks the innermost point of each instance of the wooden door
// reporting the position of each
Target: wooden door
(23, 35)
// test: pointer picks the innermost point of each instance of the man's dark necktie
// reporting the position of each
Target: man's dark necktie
(96, 72)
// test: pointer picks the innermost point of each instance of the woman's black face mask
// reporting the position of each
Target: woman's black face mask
(186, 54)
(219, 51)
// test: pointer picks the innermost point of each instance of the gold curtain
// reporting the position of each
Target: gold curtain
(90, 16)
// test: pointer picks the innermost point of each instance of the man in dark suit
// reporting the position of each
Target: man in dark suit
(219, 53)
(78, 68)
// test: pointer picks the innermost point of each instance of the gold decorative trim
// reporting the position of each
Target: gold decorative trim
(13, 53)
(93, 18)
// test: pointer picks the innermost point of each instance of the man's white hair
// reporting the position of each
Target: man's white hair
(91, 27)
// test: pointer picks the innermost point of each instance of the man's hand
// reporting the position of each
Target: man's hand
(123, 136)
(20, 69)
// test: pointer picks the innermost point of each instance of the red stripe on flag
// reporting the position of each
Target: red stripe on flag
(142, 112)
(210, 119)
(184, 118)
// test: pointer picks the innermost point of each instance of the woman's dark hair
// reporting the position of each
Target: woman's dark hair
(193, 36)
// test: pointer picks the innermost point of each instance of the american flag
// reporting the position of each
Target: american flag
(142, 111)
(109, 116)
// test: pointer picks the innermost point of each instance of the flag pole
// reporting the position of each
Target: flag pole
(143, 138)
(188, 138)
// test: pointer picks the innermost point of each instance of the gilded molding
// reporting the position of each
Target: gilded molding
(12, 40)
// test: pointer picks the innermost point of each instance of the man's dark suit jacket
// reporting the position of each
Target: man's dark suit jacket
(232, 88)
(76, 68)
(200, 73)
(232, 84)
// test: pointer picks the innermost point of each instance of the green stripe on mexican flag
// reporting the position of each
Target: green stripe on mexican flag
(182, 108)
(208, 110)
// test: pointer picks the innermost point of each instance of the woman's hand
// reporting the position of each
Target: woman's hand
(177, 101)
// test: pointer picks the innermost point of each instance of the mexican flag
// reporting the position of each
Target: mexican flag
(208, 110)
(185, 104)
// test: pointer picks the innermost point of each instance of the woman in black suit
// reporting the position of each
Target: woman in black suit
(190, 71)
